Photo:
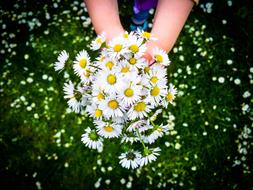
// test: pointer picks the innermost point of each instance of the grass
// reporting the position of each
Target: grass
(210, 146)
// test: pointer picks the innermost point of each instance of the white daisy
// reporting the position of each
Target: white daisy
(81, 63)
(156, 74)
(124, 68)
(129, 93)
(109, 80)
(160, 56)
(157, 133)
(139, 110)
(150, 155)
(116, 48)
(130, 159)
(61, 59)
(156, 94)
(170, 96)
(111, 107)
(91, 139)
(88, 75)
(136, 62)
(106, 63)
(146, 35)
(141, 125)
(94, 111)
(98, 42)
(98, 94)
(136, 46)
(108, 130)
(76, 99)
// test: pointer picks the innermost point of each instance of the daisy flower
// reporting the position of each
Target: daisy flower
(111, 107)
(108, 130)
(117, 48)
(109, 80)
(81, 63)
(97, 94)
(98, 42)
(129, 93)
(157, 74)
(136, 62)
(76, 99)
(170, 96)
(136, 46)
(157, 133)
(91, 139)
(161, 57)
(145, 35)
(139, 110)
(106, 64)
(150, 155)
(125, 68)
(156, 94)
(130, 159)
(94, 111)
(141, 125)
(87, 75)
(61, 60)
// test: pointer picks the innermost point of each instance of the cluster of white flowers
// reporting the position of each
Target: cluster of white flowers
(122, 92)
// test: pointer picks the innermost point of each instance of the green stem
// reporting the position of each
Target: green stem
(139, 135)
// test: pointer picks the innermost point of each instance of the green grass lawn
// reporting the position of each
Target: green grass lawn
(210, 145)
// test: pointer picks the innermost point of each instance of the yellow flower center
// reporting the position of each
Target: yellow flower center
(125, 35)
(87, 73)
(129, 92)
(99, 40)
(111, 79)
(159, 58)
(83, 63)
(170, 97)
(140, 106)
(132, 61)
(155, 91)
(108, 128)
(146, 35)
(113, 104)
(98, 113)
(100, 96)
(124, 69)
(117, 47)
(109, 65)
(134, 48)
(154, 79)
(146, 69)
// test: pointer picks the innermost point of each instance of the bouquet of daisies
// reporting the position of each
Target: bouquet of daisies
(122, 93)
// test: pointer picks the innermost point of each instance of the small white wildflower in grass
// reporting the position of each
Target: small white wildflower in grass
(177, 146)
(221, 79)
(246, 94)
(237, 81)
(229, 62)
(61, 60)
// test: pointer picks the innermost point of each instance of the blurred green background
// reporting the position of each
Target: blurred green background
(211, 145)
